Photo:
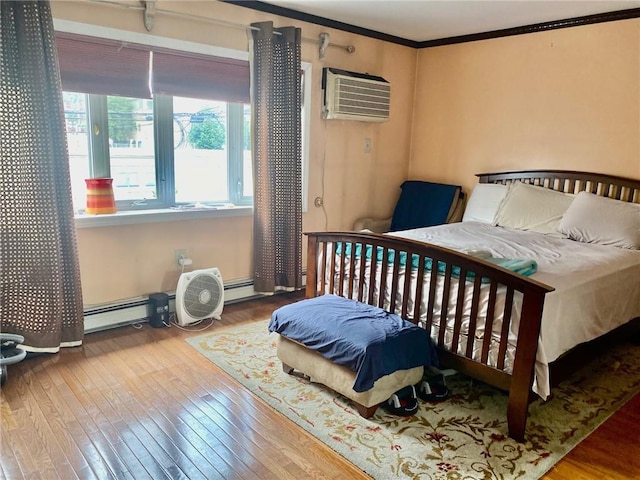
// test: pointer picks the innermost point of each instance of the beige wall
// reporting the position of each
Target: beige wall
(564, 99)
(128, 261)
(567, 99)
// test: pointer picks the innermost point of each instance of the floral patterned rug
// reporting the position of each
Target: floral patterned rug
(464, 437)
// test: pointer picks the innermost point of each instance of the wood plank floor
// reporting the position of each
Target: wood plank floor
(136, 404)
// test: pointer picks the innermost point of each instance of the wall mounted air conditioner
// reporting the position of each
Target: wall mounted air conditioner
(355, 96)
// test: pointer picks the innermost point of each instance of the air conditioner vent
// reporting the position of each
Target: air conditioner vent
(355, 96)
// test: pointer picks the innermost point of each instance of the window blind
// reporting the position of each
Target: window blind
(111, 67)
(200, 76)
(102, 66)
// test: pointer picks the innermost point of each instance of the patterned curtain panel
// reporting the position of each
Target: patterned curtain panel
(277, 157)
(40, 291)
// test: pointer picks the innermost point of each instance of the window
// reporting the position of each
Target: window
(165, 152)
(168, 139)
(169, 127)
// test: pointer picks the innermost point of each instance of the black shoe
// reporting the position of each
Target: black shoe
(432, 388)
(403, 403)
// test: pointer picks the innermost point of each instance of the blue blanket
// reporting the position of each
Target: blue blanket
(365, 339)
(521, 266)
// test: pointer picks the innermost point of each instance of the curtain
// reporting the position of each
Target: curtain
(277, 157)
(40, 290)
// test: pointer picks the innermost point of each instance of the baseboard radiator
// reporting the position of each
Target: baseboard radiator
(135, 310)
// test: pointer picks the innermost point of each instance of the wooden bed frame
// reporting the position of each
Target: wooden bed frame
(518, 383)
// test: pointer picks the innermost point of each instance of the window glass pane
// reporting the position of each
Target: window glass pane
(247, 168)
(75, 114)
(131, 148)
(200, 150)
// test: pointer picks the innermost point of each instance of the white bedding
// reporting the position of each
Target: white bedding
(597, 288)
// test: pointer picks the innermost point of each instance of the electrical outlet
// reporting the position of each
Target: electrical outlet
(367, 145)
(318, 202)
(178, 254)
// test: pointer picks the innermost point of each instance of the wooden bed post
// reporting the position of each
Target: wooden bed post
(312, 265)
(524, 362)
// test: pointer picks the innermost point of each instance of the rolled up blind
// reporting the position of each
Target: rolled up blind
(200, 76)
(111, 67)
(103, 66)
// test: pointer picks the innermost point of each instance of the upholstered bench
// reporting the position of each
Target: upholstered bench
(355, 349)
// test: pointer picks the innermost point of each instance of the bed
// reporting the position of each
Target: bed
(516, 332)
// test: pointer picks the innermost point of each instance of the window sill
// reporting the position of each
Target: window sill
(158, 215)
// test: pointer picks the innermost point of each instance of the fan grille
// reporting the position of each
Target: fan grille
(202, 295)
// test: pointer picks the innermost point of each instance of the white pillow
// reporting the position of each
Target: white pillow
(606, 221)
(529, 207)
(484, 202)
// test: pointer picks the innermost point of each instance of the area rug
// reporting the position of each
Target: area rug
(464, 437)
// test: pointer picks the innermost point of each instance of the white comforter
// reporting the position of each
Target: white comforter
(597, 288)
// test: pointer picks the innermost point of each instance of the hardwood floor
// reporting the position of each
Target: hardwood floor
(137, 404)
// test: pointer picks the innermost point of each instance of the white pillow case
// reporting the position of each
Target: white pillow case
(530, 207)
(601, 220)
(484, 202)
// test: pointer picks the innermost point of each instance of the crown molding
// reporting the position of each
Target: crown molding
(507, 32)
(535, 28)
(325, 22)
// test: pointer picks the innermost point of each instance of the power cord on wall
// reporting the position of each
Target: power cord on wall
(184, 261)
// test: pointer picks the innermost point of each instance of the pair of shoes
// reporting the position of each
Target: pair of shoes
(403, 403)
(433, 388)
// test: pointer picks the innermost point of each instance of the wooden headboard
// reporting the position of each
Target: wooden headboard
(619, 188)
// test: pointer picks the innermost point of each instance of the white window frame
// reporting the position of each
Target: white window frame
(172, 214)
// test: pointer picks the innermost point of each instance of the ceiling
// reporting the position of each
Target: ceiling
(426, 20)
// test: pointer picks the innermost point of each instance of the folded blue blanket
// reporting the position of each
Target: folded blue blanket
(520, 266)
(365, 339)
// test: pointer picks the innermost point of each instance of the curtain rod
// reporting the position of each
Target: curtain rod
(148, 7)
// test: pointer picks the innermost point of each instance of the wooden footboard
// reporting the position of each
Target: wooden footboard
(422, 283)
(491, 299)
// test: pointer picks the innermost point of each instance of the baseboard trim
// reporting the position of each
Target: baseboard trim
(135, 310)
